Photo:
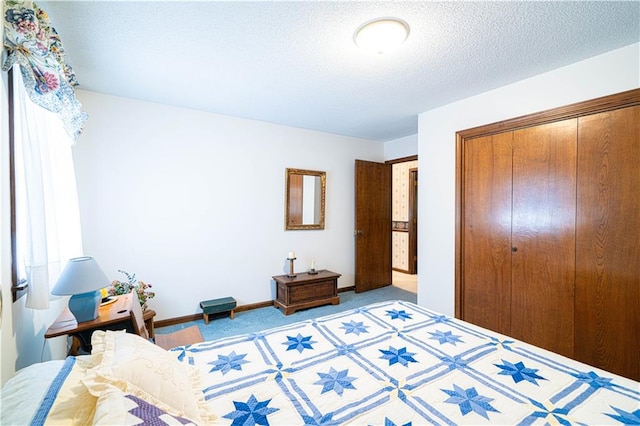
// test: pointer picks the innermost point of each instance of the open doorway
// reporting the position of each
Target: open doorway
(385, 230)
(404, 223)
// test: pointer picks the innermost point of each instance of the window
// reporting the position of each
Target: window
(45, 215)
(45, 220)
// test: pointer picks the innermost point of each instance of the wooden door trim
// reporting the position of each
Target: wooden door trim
(580, 109)
(402, 160)
(413, 221)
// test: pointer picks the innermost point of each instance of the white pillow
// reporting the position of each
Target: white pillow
(114, 407)
(138, 367)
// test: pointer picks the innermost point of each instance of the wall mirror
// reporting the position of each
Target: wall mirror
(304, 199)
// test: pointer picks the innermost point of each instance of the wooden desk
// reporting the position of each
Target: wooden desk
(306, 291)
(114, 316)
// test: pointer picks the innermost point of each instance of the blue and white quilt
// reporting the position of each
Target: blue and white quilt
(396, 363)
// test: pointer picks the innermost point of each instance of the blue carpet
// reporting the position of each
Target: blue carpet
(269, 317)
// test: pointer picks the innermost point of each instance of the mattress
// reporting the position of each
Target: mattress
(397, 363)
(391, 363)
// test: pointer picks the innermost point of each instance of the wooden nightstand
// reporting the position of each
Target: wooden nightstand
(114, 316)
(306, 291)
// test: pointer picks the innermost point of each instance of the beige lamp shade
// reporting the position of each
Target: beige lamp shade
(82, 278)
(80, 275)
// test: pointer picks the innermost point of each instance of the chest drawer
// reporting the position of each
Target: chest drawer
(312, 291)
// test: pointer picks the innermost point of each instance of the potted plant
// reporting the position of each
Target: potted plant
(140, 288)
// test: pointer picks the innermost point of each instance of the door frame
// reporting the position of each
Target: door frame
(413, 214)
(593, 106)
(413, 220)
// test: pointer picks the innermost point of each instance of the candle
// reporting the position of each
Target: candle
(313, 264)
(292, 254)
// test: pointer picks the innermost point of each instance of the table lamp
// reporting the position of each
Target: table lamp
(82, 278)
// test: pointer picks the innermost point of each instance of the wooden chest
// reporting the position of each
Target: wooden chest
(306, 291)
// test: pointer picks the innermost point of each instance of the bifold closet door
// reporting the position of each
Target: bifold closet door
(608, 242)
(487, 232)
(543, 235)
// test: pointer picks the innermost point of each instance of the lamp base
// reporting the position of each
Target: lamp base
(85, 306)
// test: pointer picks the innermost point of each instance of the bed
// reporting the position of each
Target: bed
(391, 363)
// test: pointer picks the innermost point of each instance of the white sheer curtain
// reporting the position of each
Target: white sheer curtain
(47, 213)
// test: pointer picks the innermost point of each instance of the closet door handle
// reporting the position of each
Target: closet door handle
(514, 249)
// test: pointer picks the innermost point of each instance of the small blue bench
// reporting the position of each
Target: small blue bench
(216, 306)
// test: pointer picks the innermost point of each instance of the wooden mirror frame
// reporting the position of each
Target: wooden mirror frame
(291, 195)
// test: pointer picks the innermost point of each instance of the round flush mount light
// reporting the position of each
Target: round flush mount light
(381, 35)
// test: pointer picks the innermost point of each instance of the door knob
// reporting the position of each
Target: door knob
(514, 249)
(358, 232)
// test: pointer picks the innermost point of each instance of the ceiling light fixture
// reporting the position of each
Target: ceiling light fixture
(381, 35)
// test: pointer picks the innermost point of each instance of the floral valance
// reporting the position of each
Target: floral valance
(35, 45)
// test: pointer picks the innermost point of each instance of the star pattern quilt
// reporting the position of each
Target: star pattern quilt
(396, 363)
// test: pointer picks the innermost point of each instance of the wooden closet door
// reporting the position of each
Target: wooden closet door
(608, 242)
(487, 232)
(543, 235)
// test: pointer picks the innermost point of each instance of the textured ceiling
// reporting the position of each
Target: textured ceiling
(295, 63)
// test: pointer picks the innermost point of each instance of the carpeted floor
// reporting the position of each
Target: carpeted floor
(405, 281)
(269, 317)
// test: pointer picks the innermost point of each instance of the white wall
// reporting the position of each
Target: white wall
(401, 147)
(613, 72)
(193, 202)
